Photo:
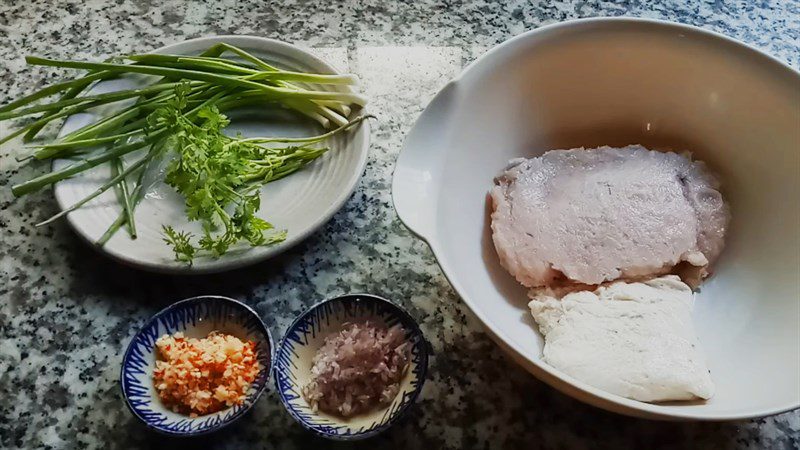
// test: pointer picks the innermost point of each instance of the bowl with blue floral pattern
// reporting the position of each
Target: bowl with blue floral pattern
(306, 335)
(195, 318)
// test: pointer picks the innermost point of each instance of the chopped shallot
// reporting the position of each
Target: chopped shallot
(358, 368)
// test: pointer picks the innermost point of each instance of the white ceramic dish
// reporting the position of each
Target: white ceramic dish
(617, 82)
(194, 317)
(300, 203)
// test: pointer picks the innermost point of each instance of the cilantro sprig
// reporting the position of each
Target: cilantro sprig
(220, 176)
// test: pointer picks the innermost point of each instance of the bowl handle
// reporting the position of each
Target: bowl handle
(414, 184)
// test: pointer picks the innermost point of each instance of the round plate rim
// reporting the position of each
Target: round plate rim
(246, 258)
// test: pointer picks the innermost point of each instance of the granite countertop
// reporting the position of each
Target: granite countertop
(67, 313)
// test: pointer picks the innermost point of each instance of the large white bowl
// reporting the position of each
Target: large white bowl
(617, 82)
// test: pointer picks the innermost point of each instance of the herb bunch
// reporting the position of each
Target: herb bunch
(180, 115)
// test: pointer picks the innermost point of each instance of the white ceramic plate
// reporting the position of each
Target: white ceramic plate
(618, 82)
(300, 203)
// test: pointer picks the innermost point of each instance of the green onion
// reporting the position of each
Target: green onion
(117, 168)
(223, 80)
(87, 163)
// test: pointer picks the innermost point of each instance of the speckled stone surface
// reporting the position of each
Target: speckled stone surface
(67, 313)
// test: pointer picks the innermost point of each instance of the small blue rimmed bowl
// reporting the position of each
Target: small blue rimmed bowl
(195, 317)
(293, 361)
